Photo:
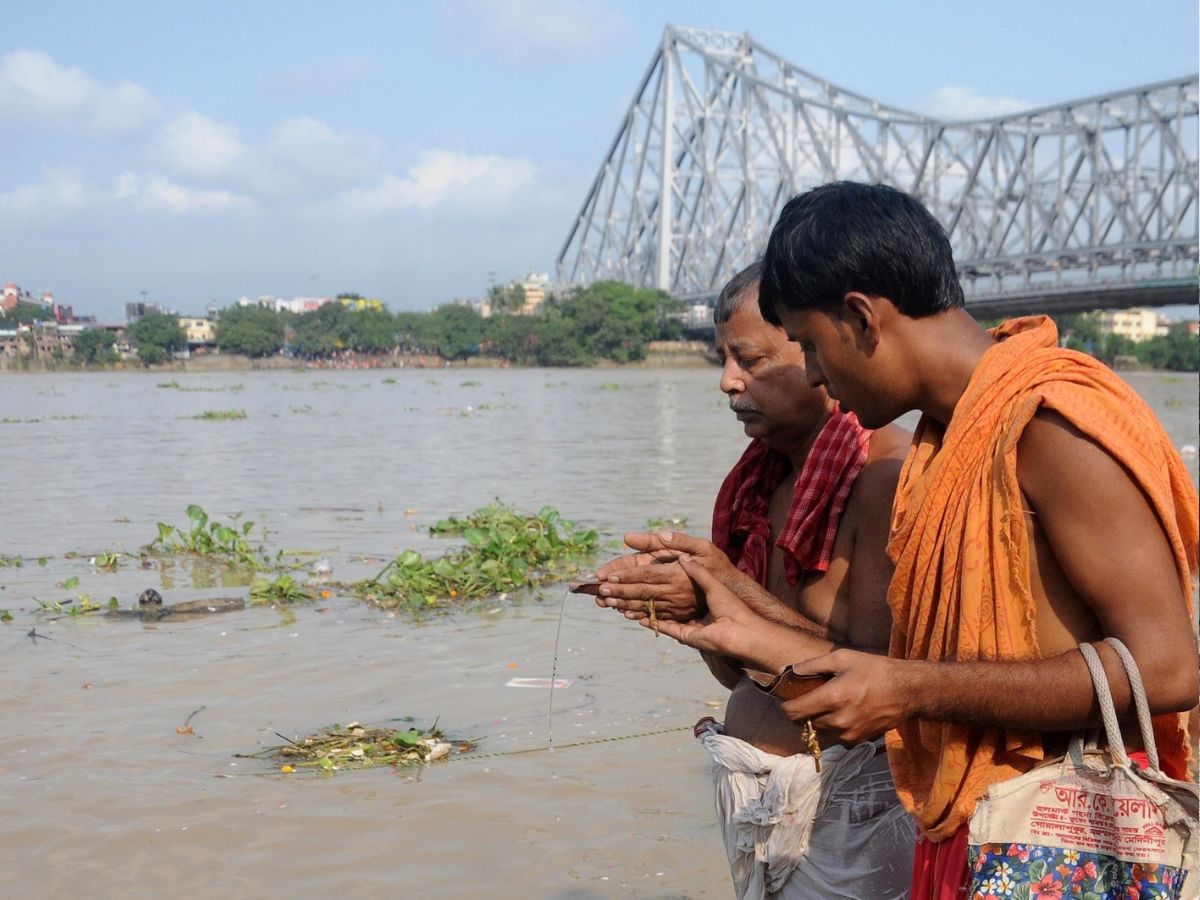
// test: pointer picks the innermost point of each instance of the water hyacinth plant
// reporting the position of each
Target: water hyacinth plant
(505, 550)
(211, 539)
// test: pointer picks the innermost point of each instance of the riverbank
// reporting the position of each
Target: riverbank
(659, 354)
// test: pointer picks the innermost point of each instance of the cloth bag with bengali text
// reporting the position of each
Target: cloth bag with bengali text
(1093, 825)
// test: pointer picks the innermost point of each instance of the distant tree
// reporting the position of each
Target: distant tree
(26, 312)
(157, 336)
(1177, 350)
(506, 298)
(250, 330)
(615, 320)
(1115, 345)
(323, 331)
(1080, 331)
(95, 346)
(516, 338)
(414, 333)
(456, 330)
(371, 330)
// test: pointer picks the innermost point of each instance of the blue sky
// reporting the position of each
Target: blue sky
(412, 151)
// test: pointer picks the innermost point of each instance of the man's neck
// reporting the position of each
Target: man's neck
(950, 346)
(798, 450)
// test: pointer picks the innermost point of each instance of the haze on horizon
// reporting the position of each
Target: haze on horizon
(419, 152)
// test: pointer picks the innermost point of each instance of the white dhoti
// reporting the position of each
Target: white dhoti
(791, 832)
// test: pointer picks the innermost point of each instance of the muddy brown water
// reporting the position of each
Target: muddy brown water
(102, 795)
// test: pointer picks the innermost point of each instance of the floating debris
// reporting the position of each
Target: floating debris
(356, 746)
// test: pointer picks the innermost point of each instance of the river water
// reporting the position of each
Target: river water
(101, 793)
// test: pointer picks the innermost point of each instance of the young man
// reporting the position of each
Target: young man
(1041, 505)
(805, 515)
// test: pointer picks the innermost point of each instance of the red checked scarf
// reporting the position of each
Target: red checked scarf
(741, 527)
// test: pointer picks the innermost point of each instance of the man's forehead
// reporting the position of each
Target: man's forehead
(797, 321)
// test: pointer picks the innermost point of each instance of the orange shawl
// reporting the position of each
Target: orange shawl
(961, 590)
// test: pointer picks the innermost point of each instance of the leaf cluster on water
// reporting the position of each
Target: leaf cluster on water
(282, 589)
(220, 415)
(212, 539)
(505, 550)
(358, 747)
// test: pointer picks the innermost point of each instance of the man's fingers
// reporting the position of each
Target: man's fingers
(655, 573)
(678, 631)
(699, 574)
(624, 563)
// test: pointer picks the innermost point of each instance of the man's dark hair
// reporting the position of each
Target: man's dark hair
(733, 295)
(845, 237)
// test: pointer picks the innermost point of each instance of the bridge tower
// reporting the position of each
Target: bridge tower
(1080, 205)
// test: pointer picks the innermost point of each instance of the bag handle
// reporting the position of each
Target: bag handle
(1108, 712)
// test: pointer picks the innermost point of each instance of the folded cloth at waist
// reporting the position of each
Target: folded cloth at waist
(791, 832)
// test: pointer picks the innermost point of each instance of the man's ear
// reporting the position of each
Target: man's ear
(864, 314)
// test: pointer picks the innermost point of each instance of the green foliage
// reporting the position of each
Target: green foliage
(1178, 350)
(322, 332)
(354, 746)
(506, 298)
(220, 415)
(107, 560)
(10, 561)
(210, 539)
(282, 589)
(157, 336)
(26, 312)
(456, 330)
(608, 320)
(505, 550)
(414, 332)
(250, 330)
(95, 347)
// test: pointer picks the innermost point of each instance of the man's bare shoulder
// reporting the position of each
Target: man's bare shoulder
(876, 483)
(887, 443)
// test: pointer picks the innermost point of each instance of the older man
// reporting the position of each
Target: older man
(800, 528)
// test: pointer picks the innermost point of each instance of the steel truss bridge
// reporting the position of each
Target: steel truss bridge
(1083, 205)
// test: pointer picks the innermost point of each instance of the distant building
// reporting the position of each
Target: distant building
(1136, 324)
(536, 288)
(359, 304)
(303, 305)
(297, 305)
(200, 332)
(135, 311)
(12, 296)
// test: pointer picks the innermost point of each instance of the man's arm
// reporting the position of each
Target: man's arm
(654, 574)
(1108, 543)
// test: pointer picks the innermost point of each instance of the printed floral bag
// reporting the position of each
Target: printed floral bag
(1095, 825)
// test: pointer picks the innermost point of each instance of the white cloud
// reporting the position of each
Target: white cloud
(307, 155)
(58, 191)
(957, 102)
(192, 144)
(156, 193)
(442, 175)
(34, 89)
(534, 30)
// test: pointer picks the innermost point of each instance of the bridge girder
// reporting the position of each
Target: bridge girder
(1088, 197)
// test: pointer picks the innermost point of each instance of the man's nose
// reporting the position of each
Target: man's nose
(731, 377)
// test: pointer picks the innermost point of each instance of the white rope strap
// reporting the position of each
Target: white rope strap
(1139, 698)
(1112, 728)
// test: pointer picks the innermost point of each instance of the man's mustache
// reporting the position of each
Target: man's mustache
(742, 407)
